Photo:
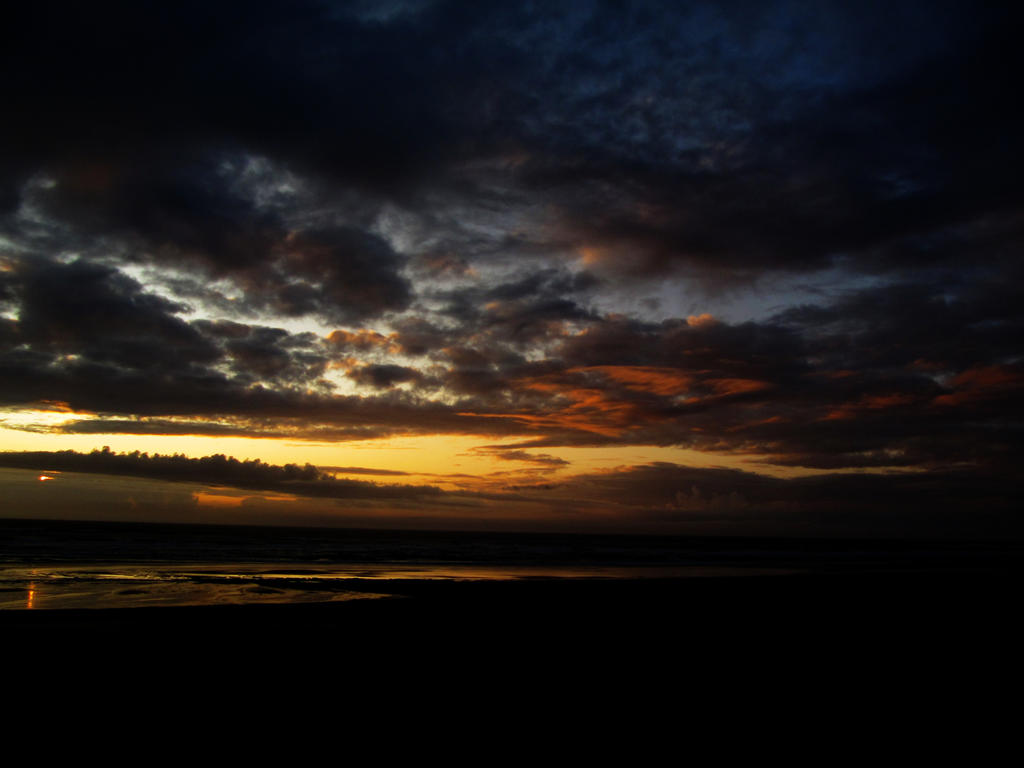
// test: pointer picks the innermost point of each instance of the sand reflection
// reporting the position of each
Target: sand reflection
(76, 587)
(149, 585)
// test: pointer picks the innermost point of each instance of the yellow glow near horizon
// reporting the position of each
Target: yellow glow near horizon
(425, 458)
(422, 455)
(447, 461)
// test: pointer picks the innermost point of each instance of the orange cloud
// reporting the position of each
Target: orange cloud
(838, 374)
(587, 408)
(609, 411)
(702, 320)
(55, 405)
(736, 386)
(981, 383)
(660, 381)
(345, 363)
(590, 411)
(840, 414)
(363, 340)
(868, 403)
(879, 402)
(758, 423)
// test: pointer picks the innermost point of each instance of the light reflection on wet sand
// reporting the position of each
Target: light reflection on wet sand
(149, 585)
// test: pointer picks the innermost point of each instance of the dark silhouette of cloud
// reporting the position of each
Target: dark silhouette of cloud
(363, 471)
(383, 376)
(957, 503)
(660, 497)
(218, 470)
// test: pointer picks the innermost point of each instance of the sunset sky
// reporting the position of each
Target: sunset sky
(726, 267)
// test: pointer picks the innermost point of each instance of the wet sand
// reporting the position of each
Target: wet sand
(889, 621)
(615, 622)
(596, 661)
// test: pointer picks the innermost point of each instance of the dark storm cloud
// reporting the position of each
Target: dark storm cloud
(819, 159)
(258, 353)
(190, 208)
(383, 376)
(84, 320)
(282, 78)
(954, 503)
(484, 333)
(207, 217)
(101, 315)
(949, 323)
(526, 310)
(341, 274)
(417, 336)
(716, 140)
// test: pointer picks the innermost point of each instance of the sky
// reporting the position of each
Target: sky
(723, 267)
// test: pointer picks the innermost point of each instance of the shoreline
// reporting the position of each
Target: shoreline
(582, 639)
(896, 594)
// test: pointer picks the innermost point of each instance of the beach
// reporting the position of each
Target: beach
(914, 620)
(771, 612)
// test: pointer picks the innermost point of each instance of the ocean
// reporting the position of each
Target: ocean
(84, 565)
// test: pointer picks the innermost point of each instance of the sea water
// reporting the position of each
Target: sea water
(63, 564)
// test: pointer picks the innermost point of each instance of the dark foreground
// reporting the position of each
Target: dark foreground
(900, 630)
(935, 622)
(625, 667)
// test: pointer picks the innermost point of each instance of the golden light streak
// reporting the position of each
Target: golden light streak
(450, 462)
(205, 499)
(227, 498)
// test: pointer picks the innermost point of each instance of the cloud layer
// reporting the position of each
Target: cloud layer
(750, 229)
